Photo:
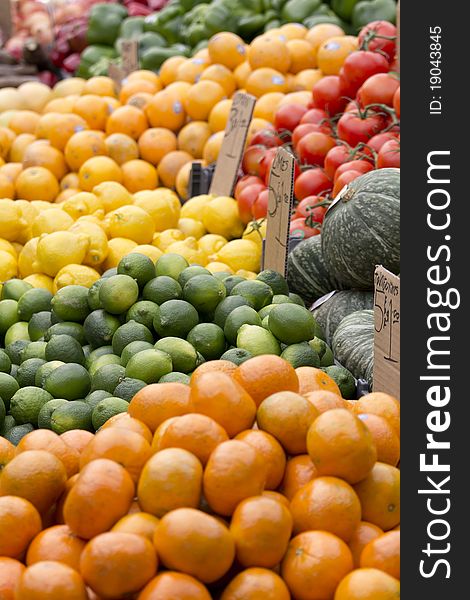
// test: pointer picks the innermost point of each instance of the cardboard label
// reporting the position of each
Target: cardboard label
(6, 24)
(233, 145)
(281, 188)
(130, 56)
(116, 74)
(387, 332)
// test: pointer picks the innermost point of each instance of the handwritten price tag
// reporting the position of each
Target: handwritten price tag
(387, 332)
(130, 56)
(233, 145)
(281, 186)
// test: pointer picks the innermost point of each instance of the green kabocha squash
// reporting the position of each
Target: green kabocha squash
(353, 344)
(362, 229)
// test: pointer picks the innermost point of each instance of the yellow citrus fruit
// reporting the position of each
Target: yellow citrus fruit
(165, 111)
(227, 49)
(240, 254)
(100, 85)
(333, 52)
(131, 222)
(75, 275)
(39, 280)
(182, 179)
(7, 187)
(301, 55)
(121, 147)
(98, 242)
(148, 250)
(222, 76)
(218, 267)
(267, 51)
(266, 106)
(82, 146)
(191, 70)
(163, 239)
(139, 175)
(319, 33)
(83, 203)
(169, 69)
(68, 87)
(293, 31)
(193, 208)
(7, 247)
(212, 147)
(8, 266)
(189, 249)
(264, 80)
(12, 222)
(155, 143)
(170, 165)
(112, 195)
(220, 216)
(219, 115)
(37, 183)
(61, 248)
(27, 258)
(48, 221)
(246, 274)
(191, 227)
(19, 146)
(162, 205)
(117, 248)
(211, 243)
(201, 99)
(241, 73)
(96, 170)
(193, 137)
(306, 79)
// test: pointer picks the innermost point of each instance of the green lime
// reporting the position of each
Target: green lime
(107, 408)
(190, 272)
(54, 318)
(5, 362)
(38, 325)
(221, 275)
(3, 413)
(208, 339)
(96, 353)
(296, 299)
(231, 282)
(138, 266)
(344, 379)
(257, 340)
(102, 361)
(34, 350)
(226, 306)
(171, 265)
(183, 354)
(240, 316)
(264, 312)
(275, 281)
(265, 323)
(301, 355)
(324, 352)
(44, 370)
(94, 295)
(71, 303)
(18, 331)
(71, 328)
(13, 370)
(70, 381)
(99, 328)
(71, 415)
(130, 332)
(175, 377)
(64, 348)
(26, 404)
(128, 388)
(15, 350)
(45, 414)
(204, 292)
(236, 355)
(281, 299)
(13, 289)
(17, 433)
(95, 397)
(118, 293)
(318, 331)
(258, 293)
(109, 273)
(132, 349)
(8, 388)
(143, 312)
(34, 301)
(292, 323)
(107, 377)
(175, 318)
(27, 371)
(161, 289)
(8, 424)
(8, 315)
(149, 365)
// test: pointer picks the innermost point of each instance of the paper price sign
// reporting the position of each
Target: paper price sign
(130, 56)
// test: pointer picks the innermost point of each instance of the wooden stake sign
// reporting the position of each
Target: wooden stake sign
(387, 332)
(233, 145)
(130, 62)
(6, 24)
(281, 187)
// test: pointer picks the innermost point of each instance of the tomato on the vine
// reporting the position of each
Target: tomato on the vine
(302, 130)
(246, 199)
(344, 179)
(259, 209)
(244, 182)
(314, 115)
(288, 116)
(355, 127)
(389, 155)
(361, 65)
(313, 148)
(377, 141)
(311, 183)
(378, 89)
(300, 229)
(307, 208)
(266, 161)
(336, 157)
(379, 36)
(252, 157)
(327, 95)
(396, 102)
(362, 166)
(266, 138)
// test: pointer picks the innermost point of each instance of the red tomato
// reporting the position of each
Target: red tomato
(314, 115)
(302, 130)
(378, 89)
(343, 180)
(389, 155)
(299, 229)
(351, 106)
(252, 158)
(336, 157)
(359, 66)
(313, 148)
(244, 182)
(377, 141)
(362, 166)
(266, 138)
(376, 36)
(288, 116)
(266, 161)
(259, 209)
(307, 208)
(396, 102)
(311, 183)
(246, 199)
(327, 95)
(354, 128)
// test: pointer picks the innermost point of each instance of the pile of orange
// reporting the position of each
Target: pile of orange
(253, 481)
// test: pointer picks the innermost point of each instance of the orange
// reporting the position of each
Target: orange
(385, 439)
(136, 86)
(287, 416)
(312, 379)
(212, 147)
(127, 119)
(20, 522)
(299, 471)
(319, 33)
(139, 175)
(77, 439)
(82, 146)
(261, 528)
(125, 421)
(101, 495)
(191, 70)
(144, 75)
(314, 564)
(139, 523)
(340, 445)
(383, 553)
(221, 75)
(368, 584)
(7, 452)
(115, 564)
(19, 146)
(363, 534)
(301, 55)
(56, 543)
(23, 121)
(379, 494)
(195, 543)
(264, 80)
(159, 401)
(11, 170)
(7, 136)
(140, 100)
(269, 51)
(219, 115)
(112, 103)
(276, 496)
(324, 400)
(218, 396)
(37, 183)
(272, 452)
(155, 143)
(182, 180)
(96, 170)
(256, 584)
(43, 439)
(241, 73)
(306, 79)
(121, 148)
(193, 137)
(61, 105)
(62, 129)
(332, 53)
(50, 579)
(7, 188)
(382, 405)
(211, 366)
(227, 49)
(101, 86)
(267, 105)
(169, 69)
(93, 109)
(328, 504)
(59, 512)
(195, 433)
(169, 584)
(201, 99)
(69, 181)
(234, 471)
(10, 574)
(170, 165)
(165, 111)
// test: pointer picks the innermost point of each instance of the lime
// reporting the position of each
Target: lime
(18, 331)
(5, 362)
(71, 303)
(231, 282)
(13, 370)
(8, 423)
(301, 355)
(96, 353)
(275, 281)
(221, 275)
(344, 379)
(94, 301)
(281, 299)
(70, 381)
(17, 433)
(8, 314)
(175, 318)
(324, 352)
(34, 350)
(26, 404)
(175, 377)
(95, 397)
(149, 365)
(240, 316)
(39, 323)
(189, 272)
(107, 377)
(109, 273)
(44, 370)
(208, 339)
(118, 293)
(292, 323)
(225, 308)
(161, 289)
(71, 415)
(33, 301)
(257, 340)
(128, 388)
(132, 349)
(264, 312)
(258, 293)
(54, 318)
(101, 361)
(143, 312)
(204, 292)
(45, 414)
(183, 354)
(130, 332)
(99, 328)
(138, 266)
(27, 371)
(106, 409)
(64, 348)
(13, 289)
(71, 328)
(3, 412)
(171, 265)
(296, 299)
(318, 331)
(15, 350)
(236, 355)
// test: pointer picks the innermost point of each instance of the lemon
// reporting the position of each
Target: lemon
(75, 275)
(40, 205)
(39, 280)
(192, 209)
(189, 249)
(246, 274)
(7, 247)
(112, 195)
(211, 243)
(58, 249)
(221, 216)
(130, 222)
(117, 248)
(191, 227)
(28, 257)
(219, 267)
(255, 231)
(82, 204)
(49, 221)
(91, 219)
(240, 254)
(98, 246)
(12, 222)
(8, 266)
(148, 250)
(17, 248)
(162, 239)
(161, 206)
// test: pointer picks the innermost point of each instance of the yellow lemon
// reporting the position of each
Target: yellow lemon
(161, 206)
(41, 205)
(117, 248)
(130, 222)
(211, 243)
(83, 204)
(151, 251)
(39, 280)
(191, 227)
(255, 231)
(218, 267)
(8, 266)
(192, 209)
(246, 274)
(75, 275)
(98, 246)
(7, 247)
(162, 239)
(189, 249)
(50, 221)
(17, 248)
(221, 216)
(92, 219)
(28, 258)
(112, 195)
(29, 212)
(12, 223)
(59, 249)
(240, 254)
